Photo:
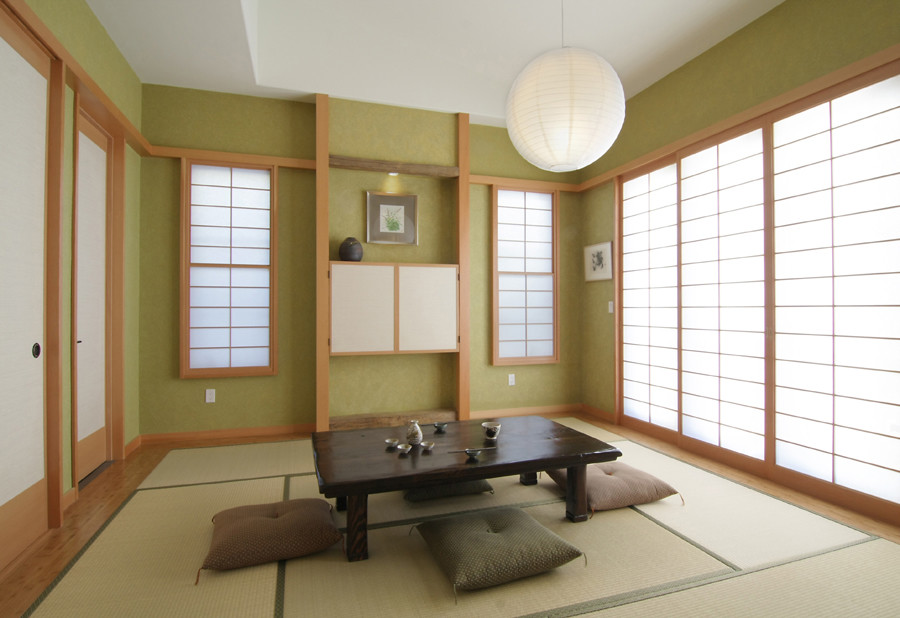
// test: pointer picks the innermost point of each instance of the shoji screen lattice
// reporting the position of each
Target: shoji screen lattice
(837, 294)
(230, 267)
(650, 297)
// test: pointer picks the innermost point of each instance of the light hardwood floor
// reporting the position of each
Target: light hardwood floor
(22, 582)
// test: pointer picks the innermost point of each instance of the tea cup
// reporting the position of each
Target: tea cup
(491, 430)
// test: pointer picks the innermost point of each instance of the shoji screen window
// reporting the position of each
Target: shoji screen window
(228, 315)
(524, 277)
(650, 297)
(723, 295)
(837, 290)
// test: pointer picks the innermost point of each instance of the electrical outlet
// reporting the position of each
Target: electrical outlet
(512, 379)
(210, 395)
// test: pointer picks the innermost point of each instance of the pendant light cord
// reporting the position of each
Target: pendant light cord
(562, 23)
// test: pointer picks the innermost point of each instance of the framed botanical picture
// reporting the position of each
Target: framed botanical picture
(391, 219)
(598, 261)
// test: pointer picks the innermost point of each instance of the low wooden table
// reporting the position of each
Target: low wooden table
(352, 464)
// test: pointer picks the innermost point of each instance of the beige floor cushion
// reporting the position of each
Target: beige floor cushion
(615, 485)
(259, 533)
(492, 547)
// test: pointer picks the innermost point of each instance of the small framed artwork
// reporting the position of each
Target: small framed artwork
(598, 261)
(391, 219)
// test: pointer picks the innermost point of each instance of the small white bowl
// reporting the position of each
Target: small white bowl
(391, 442)
(403, 449)
(427, 446)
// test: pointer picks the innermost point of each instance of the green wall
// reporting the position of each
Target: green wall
(187, 118)
(796, 42)
(85, 38)
(231, 123)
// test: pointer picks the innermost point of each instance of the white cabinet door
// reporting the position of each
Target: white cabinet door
(394, 308)
(362, 308)
(428, 300)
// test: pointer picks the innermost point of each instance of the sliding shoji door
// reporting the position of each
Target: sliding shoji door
(650, 297)
(23, 156)
(837, 290)
(723, 295)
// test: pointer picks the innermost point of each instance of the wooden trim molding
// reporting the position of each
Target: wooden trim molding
(231, 158)
(323, 303)
(522, 184)
(374, 165)
(238, 433)
(556, 410)
(464, 259)
(597, 413)
(132, 446)
(53, 301)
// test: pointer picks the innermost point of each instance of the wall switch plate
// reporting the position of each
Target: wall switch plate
(512, 379)
(210, 395)
(610, 306)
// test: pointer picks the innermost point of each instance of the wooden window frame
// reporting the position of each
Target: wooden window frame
(185, 261)
(497, 360)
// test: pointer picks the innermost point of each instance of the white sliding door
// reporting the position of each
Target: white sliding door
(90, 301)
(23, 135)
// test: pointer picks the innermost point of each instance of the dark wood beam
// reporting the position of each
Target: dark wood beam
(373, 165)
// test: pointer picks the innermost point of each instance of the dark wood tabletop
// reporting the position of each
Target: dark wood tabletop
(356, 462)
(352, 464)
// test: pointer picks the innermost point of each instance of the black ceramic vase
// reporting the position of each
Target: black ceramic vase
(351, 250)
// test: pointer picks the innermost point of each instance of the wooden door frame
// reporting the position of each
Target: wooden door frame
(114, 288)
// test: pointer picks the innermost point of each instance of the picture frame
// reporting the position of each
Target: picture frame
(598, 262)
(391, 218)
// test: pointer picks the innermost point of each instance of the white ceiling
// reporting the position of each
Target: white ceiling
(450, 56)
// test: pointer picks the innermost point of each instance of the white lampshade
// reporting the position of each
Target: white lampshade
(565, 109)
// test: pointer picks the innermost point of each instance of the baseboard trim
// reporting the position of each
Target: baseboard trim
(133, 446)
(69, 498)
(569, 408)
(229, 434)
(599, 414)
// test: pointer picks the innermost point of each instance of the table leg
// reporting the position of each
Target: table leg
(576, 493)
(357, 539)
(528, 478)
(340, 503)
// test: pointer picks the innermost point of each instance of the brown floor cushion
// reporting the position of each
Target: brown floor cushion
(492, 547)
(259, 533)
(463, 488)
(615, 485)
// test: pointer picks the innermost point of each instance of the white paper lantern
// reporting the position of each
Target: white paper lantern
(565, 109)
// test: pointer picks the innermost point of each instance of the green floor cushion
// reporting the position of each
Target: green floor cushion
(492, 547)
(615, 485)
(259, 533)
(463, 488)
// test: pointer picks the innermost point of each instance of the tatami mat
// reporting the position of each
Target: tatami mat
(741, 525)
(402, 579)
(145, 562)
(591, 430)
(225, 463)
(729, 550)
(857, 581)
